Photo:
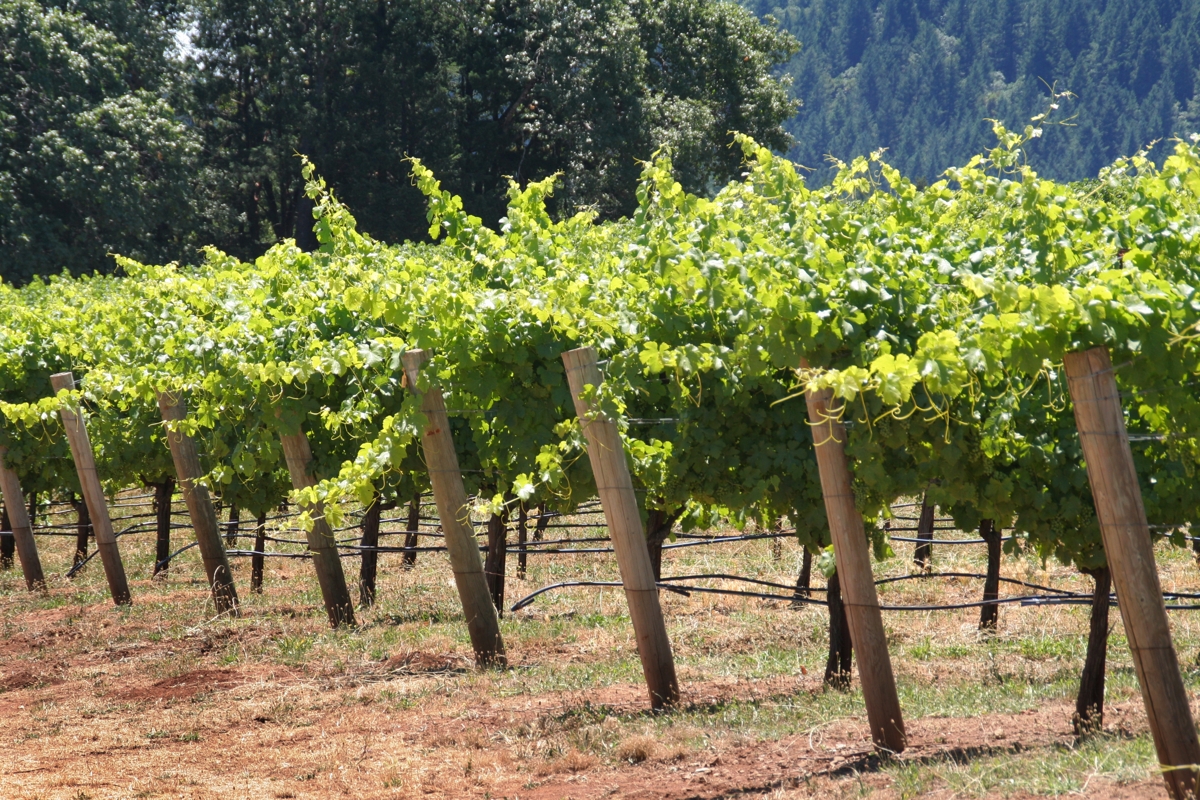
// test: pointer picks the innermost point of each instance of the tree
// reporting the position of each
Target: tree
(93, 159)
(479, 91)
(923, 78)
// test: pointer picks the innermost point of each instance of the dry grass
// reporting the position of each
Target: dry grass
(164, 699)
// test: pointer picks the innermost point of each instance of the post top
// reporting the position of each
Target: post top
(579, 358)
(413, 359)
(62, 380)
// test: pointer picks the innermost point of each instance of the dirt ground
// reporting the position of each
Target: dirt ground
(164, 700)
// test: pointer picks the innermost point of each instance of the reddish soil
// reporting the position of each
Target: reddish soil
(185, 687)
(812, 765)
(232, 732)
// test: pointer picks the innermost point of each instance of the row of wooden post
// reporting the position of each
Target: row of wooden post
(1103, 437)
(1127, 544)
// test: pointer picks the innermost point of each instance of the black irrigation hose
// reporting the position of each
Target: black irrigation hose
(71, 572)
(925, 575)
(723, 576)
(247, 553)
(950, 527)
(159, 566)
(1025, 600)
(528, 599)
(548, 542)
(945, 541)
(723, 539)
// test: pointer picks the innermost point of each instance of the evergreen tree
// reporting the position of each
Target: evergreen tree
(922, 77)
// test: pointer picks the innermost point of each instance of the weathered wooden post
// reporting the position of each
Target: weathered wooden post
(854, 572)
(93, 493)
(451, 498)
(321, 542)
(1126, 535)
(199, 505)
(22, 530)
(615, 487)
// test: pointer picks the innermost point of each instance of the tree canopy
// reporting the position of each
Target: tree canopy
(116, 139)
(479, 90)
(922, 77)
(93, 158)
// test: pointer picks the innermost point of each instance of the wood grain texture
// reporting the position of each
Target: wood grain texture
(22, 530)
(200, 507)
(445, 477)
(854, 572)
(339, 607)
(614, 484)
(1127, 545)
(93, 493)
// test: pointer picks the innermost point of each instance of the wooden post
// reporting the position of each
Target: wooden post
(321, 543)
(1127, 545)
(854, 574)
(451, 498)
(22, 530)
(93, 493)
(199, 505)
(615, 487)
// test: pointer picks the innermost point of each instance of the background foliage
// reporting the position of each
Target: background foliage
(920, 77)
(149, 129)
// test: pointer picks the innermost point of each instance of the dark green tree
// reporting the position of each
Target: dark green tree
(93, 159)
(922, 77)
(477, 90)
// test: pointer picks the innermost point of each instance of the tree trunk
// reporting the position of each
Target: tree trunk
(989, 615)
(8, 542)
(32, 511)
(1089, 705)
(413, 529)
(837, 666)
(923, 553)
(162, 524)
(539, 530)
(493, 565)
(1195, 544)
(256, 560)
(370, 557)
(522, 539)
(231, 527)
(658, 528)
(804, 582)
(83, 529)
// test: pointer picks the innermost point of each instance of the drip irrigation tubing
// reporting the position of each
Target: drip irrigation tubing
(945, 541)
(796, 599)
